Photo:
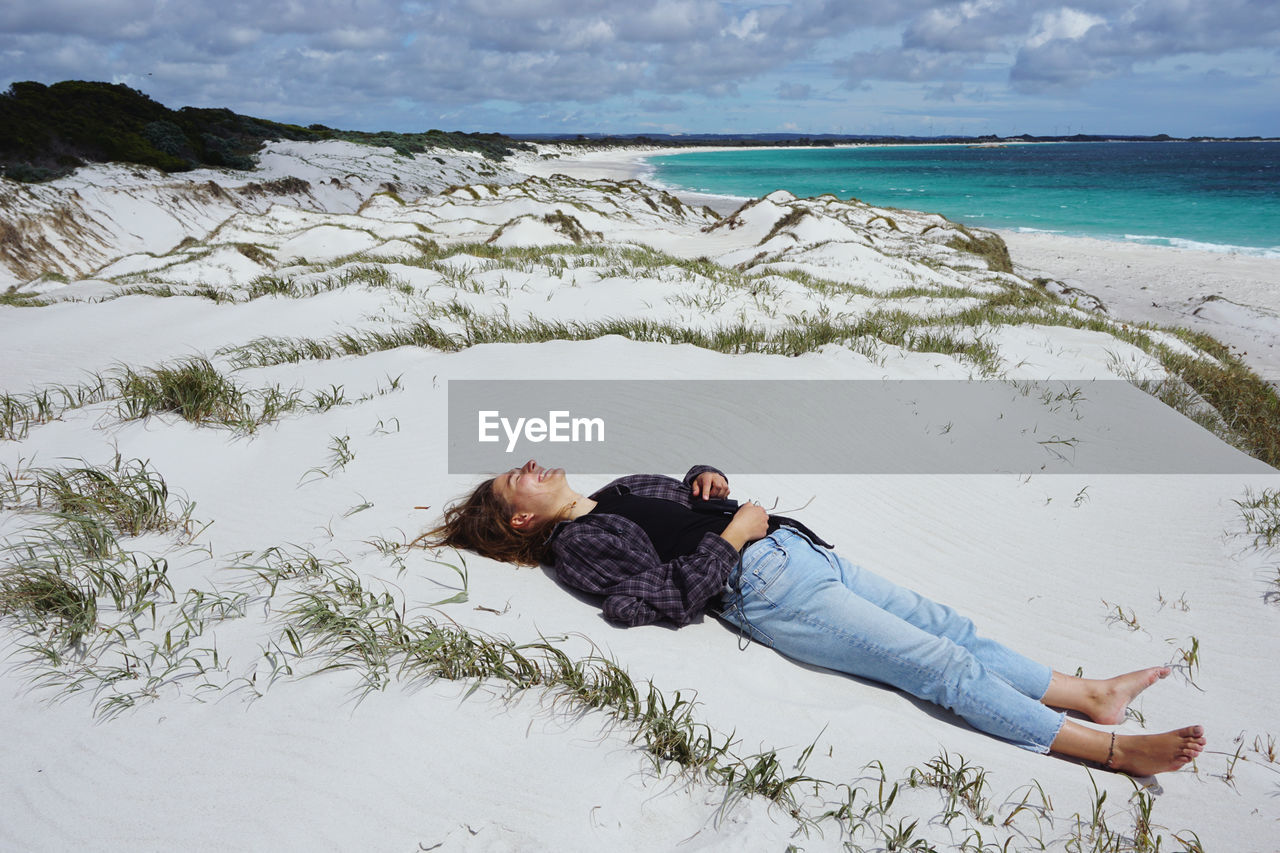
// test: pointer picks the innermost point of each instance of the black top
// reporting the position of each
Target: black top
(673, 529)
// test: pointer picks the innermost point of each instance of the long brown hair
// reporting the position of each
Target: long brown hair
(481, 522)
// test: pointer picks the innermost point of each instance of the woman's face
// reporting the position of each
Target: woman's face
(533, 490)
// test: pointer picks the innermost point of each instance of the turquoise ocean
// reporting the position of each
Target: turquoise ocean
(1216, 196)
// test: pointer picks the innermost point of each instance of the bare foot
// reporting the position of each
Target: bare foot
(1147, 755)
(1110, 697)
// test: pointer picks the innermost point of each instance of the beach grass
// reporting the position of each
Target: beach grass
(737, 338)
(59, 567)
(350, 273)
(1246, 403)
(1261, 513)
(987, 246)
(192, 388)
(101, 614)
(20, 299)
(1214, 388)
(107, 620)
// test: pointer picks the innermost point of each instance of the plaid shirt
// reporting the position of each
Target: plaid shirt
(611, 556)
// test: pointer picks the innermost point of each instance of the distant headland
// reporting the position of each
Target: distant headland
(49, 130)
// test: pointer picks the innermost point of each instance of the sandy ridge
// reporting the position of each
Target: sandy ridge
(1038, 560)
(1233, 297)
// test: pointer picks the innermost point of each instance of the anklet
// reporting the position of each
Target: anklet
(1111, 753)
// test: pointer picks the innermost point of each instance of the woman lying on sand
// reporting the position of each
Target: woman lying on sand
(658, 548)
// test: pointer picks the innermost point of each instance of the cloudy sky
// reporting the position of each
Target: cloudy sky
(1183, 67)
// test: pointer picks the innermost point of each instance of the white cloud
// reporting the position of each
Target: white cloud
(1064, 23)
(301, 58)
(974, 25)
(746, 28)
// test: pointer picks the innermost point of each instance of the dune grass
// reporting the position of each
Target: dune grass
(1215, 389)
(988, 246)
(128, 495)
(193, 389)
(81, 595)
(1260, 512)
(368, 631)
(59, 568)
(106, 620)
(291, 286)
(1247, 405)
(19, 412)
(736, 338)
(21, 299)
(1245, 409)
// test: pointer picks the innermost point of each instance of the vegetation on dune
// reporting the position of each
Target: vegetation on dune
(1247, 404)
(988, 246)
(193, 389)
(50, 130)
(97, 616)
(100, 618)
(1245, 409)
(20, 299)
(1213, 388)
(61, 577)
(495, 146)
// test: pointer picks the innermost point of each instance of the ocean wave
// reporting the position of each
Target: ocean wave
(1175, 204)
(1199, 246)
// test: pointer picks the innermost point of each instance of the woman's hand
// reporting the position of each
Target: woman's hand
(749, 523)
(709, 485)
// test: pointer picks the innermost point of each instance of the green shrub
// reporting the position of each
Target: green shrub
(166, 136)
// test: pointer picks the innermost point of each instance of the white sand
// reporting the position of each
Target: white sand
(619, 164)
(1233, 297)
(264, 749)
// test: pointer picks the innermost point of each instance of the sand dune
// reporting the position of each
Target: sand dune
(201, 712)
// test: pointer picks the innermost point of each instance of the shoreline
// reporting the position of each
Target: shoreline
(1233, 297)
(626, 164)
(314, 651)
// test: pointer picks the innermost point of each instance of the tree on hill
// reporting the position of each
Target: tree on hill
(46, 131)
(49, 130)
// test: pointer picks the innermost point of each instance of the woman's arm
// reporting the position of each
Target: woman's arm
(611, 556)
(749, 523)
(707, 482)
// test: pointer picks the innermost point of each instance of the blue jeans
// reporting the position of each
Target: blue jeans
(811, 604)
